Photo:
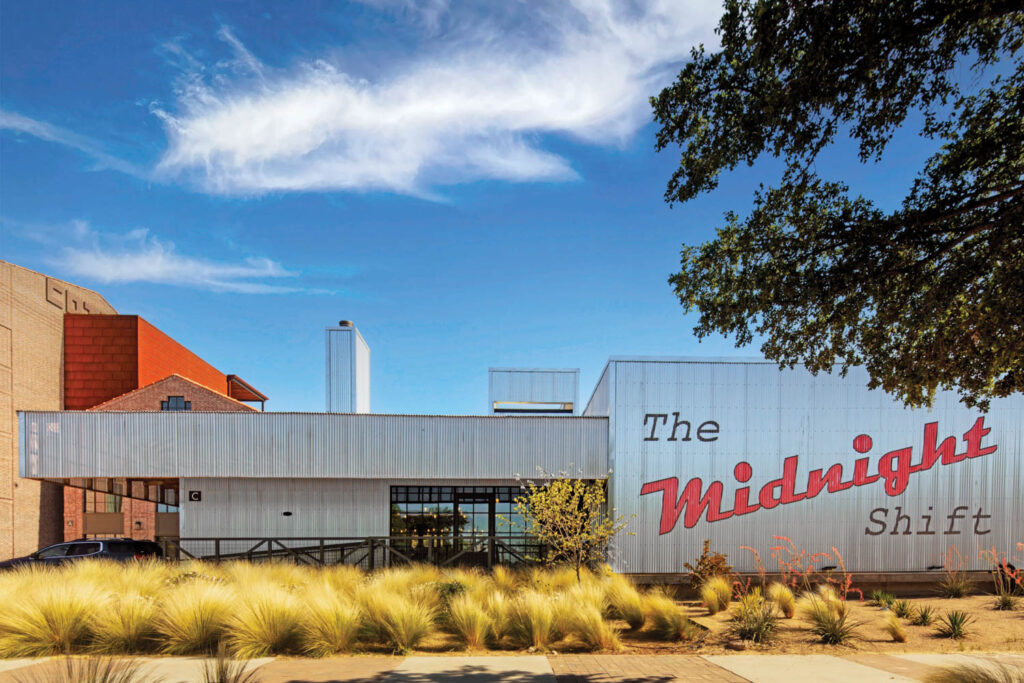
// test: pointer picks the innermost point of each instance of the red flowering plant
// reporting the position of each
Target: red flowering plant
(1007, 576)
(796, 566)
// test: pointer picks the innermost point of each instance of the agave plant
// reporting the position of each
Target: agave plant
(902, 608)
(954, 624)
(924, 616)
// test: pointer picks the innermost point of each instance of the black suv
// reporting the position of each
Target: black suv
(120, 549)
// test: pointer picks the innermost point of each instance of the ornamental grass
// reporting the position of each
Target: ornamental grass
(716, 593)
(625, 601)
(331, 623)
(268, 621)
(667, 620)
(48, 616)
(783, 597)
(194, 616)
(533, 620)
(470, 620)
(400, 621)
(252, 610)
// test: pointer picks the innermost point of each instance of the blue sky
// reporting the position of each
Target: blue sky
(473, 185)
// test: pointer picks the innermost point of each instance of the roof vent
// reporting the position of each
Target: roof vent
(345, 323)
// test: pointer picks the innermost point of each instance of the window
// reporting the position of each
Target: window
(83, 549)
(102, 502)
(448, 511)
(175, 403)
(54, 551)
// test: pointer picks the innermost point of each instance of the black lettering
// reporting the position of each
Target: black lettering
(927, 524)
(977, 522)
(953, 516)
(712, 428)
(896, 524)
(879, 522)
(654, 423)
(676, 425)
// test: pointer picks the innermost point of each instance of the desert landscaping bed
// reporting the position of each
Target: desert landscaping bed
(278, 609)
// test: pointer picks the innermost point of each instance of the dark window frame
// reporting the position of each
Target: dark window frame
(175, 404)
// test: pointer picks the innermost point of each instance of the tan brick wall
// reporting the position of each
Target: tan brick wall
(32, 308)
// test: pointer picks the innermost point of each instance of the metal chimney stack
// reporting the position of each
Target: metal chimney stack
(348, 370)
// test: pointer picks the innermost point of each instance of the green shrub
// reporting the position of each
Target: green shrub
(709, 564)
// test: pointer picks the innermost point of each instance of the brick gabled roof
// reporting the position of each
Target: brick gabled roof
(112, 404)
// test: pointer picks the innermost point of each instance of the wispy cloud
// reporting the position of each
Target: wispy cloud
(475, 104)
(141, 257)
(61, 136)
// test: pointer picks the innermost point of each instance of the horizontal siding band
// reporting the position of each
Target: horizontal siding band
(308, 445)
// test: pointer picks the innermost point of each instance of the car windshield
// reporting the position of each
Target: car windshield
(53, 551)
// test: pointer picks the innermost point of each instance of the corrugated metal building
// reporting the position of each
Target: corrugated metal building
(735, 451)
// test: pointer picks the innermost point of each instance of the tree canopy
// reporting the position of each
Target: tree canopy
(569, 516)
(927, 296)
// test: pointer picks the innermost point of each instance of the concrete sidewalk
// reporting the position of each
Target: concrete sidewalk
(861, 667)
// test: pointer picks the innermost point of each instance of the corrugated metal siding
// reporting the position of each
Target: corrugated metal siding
(339, 378)
(598, 405)
(534, 385)
(316, 445)
(362, 374)
(319, 507)
(254, 507)
(766, 415)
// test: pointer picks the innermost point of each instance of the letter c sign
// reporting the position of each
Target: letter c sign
(195, 496)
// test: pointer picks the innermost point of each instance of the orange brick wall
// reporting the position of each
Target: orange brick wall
(100, 358)
(109, 355)
(161, 356)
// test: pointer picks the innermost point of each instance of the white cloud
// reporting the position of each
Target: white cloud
(50, 133)
(138, 256)
(475, 104)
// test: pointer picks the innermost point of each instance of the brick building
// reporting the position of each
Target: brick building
(32, 309)
(65, 347)
(90, 513)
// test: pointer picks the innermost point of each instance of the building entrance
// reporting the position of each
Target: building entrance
(456, 521)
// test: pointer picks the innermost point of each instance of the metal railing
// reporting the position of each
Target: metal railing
(368, 552)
